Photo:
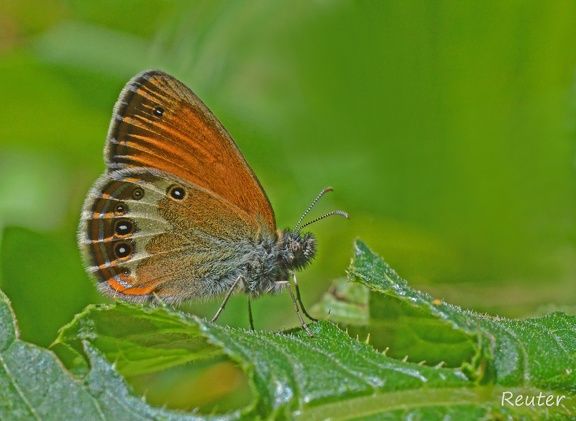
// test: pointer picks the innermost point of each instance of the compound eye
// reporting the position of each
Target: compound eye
(295, 246)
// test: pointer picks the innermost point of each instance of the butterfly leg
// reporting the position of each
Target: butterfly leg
(300, 299)
(159, 300)
(250, 314)
(297, 309)
(228, 294)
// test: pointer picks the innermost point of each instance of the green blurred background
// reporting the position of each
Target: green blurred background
(446, 128)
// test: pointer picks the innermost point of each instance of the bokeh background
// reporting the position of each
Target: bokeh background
(446, 128)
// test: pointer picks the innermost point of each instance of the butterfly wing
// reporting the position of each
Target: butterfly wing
(145, 232)
(159, 123)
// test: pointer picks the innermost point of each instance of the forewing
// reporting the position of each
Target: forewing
(159, 123)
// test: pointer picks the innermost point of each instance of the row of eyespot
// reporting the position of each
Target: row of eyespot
(125, 227)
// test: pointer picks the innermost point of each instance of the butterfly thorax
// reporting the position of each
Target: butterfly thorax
(275, 258)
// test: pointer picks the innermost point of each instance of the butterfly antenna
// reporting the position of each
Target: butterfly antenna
(336, 212)
(322, 193)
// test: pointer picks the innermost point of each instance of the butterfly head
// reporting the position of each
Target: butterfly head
(298, 249)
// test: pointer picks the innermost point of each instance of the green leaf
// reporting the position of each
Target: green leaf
(332, 375)
(292, 373)
(34, 384)
(345, 302)
(137, 339)
(531, 353)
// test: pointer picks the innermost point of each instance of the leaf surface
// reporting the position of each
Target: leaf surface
(294, 376)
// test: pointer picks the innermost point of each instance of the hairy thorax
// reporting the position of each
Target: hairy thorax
(273, 259)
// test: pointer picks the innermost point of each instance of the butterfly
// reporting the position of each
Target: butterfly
(179, 214)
